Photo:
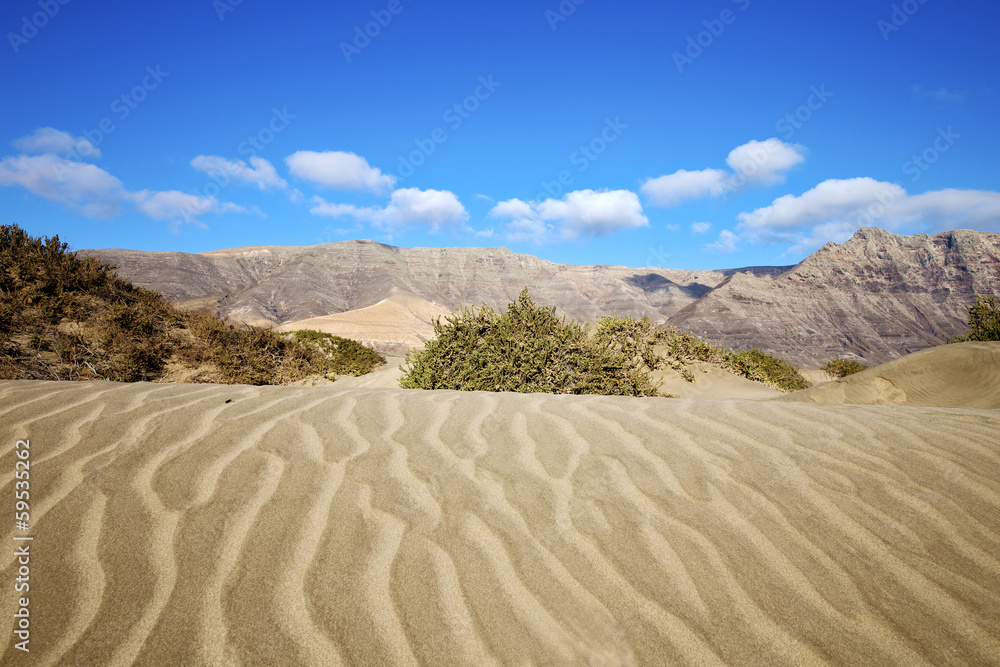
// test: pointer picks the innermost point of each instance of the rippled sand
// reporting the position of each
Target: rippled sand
(209, 525)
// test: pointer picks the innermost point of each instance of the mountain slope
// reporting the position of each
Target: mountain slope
(876, 297)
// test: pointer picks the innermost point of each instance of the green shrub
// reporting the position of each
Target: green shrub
(760, 367)
(684, 346)
(528, 349)
(840, 368)
(984, 321)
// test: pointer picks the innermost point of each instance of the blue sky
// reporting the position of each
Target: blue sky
(683, 135)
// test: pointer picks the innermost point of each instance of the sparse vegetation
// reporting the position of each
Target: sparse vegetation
(984, 321)
(840, 368)
(70, 318)
(760, 367)
(346, 356)
(528, 349)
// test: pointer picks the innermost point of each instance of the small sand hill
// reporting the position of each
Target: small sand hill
(712, 382)
(958, 375)
(400, 321)
(234, 525)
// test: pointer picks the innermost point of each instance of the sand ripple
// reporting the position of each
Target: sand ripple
(205, 525)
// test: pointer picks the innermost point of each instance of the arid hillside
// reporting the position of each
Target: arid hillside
(876, 297)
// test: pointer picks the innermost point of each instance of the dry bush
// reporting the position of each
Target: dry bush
(984, 321)
(840, 368)
(65, 317)
(761, 367)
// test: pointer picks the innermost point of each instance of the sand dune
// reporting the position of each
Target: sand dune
(399, 322)
(711, 382)
(209, 525)
(958, 375)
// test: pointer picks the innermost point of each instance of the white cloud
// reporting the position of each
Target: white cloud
(726, 243)
(435, 209)
(831, 201)
(78, 185)
(94, 192)
(178, 206)
(51, 140)
(260, 172)
(340, 170)
(764, 162)
(700, 227)
(753, 163)
(835, 209)
(674, 188)
(583, 213)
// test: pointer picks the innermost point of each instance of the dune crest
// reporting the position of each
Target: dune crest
(186, 524)
(947, 376)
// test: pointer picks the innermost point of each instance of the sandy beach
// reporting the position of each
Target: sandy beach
(227, 525)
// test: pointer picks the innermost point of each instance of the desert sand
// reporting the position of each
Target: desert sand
(399, 322)
(958, 375)
(225, 525)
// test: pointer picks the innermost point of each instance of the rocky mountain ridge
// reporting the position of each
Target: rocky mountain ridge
(875, 297)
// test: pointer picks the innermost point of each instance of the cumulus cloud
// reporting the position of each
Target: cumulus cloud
(259, 172)
(80, 186)
(674, 188)
(700, 227)
(176, 206)
(764, 162)
(753, 163)
(726, 243)
(92, 191)
(434, 209)
(339, 170)
(51, 140)
(582, 213)
(836, 208)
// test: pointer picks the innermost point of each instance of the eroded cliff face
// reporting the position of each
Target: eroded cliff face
(877, 296)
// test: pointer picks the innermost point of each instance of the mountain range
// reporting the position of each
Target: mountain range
(874, 297)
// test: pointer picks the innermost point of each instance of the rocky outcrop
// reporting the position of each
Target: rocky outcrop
(876, 297)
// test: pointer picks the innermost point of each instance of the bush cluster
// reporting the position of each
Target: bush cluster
(984, 321)
(760, 367)
(529, 349)
(840, 368)
(65, 317)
